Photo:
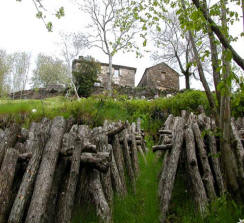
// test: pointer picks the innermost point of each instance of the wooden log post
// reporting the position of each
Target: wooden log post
(215, 158)
(101, 141)
(115, 177)
(134, 155)
(168, 126)
(7, 173)
(9, 139)
(46, 171)
(169, 173)
(207, 173)
(119, 159)
(127, 159)
(35, 144)
(66, 201)
(200, 195)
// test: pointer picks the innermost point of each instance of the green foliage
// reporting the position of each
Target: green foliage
(85, 76)
(49, 70)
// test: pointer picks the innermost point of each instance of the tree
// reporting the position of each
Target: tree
(173, 46)
(109, 33)
(20, 64)
(5, 69)
(49, 70)
(72, 45)
(85, 75)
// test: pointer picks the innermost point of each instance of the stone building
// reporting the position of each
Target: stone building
(160, 77)
(122, 75)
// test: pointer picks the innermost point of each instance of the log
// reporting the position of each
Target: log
(66, 203)
(168, 125)
(46, 171)
(169, 173)
(207, 173)
(119, 159)
(116, 131)
(9, 139)
(7, 173)
(100, 161)
(165, 131)
(162, 147)
(101, 141)
(128, 162)
(97, 195)
(138, 126)
(200, 195)
(142, 153)
(239, 150)
(214, 158)
(115, 177)
(134, 155)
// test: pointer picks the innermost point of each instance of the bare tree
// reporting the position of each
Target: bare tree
(108, 33)
(72, 46)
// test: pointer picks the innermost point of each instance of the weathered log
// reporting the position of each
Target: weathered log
(162, 147)
(20, 147)
(200, 195)
(138, 126)
(97, 195)
(7, 173)
(115, 177)
(170, 172)
(119, 159)
(207, 174)
(134, 155)
(142, 153)
(239, 150)
(101, 141)
(127, 160)
(9, 139)
(46, 171)
(100, 161)
(165, 131)
(168, 125)
(116, 131)
(66, 203)
(214, 158)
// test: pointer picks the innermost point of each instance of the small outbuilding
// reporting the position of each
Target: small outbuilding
(160, 77)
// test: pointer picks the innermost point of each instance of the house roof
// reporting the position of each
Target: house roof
(162, 63)
(119, 66)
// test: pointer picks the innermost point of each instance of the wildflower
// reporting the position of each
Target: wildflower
(241, 221)
(34, 110)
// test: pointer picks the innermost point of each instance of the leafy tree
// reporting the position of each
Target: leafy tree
(85, 75)
(108, 32)
(49, 70)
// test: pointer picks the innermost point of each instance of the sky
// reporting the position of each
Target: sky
(22, 31)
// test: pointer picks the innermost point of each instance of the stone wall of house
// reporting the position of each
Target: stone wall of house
(161, 77)
(126, 76)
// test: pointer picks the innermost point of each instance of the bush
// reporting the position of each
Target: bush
(85, 76)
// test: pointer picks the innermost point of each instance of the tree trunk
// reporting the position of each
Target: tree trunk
(187, 81)
(45, 175)
(170, 172)
(110, 75)
(7, 173)
(207, 174)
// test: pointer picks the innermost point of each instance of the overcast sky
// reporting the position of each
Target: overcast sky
(22, 31)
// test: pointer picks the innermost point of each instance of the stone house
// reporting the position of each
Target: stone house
(122, 75)
(160, 77)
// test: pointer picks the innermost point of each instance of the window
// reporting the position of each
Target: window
(116, 73)
(163, 75)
